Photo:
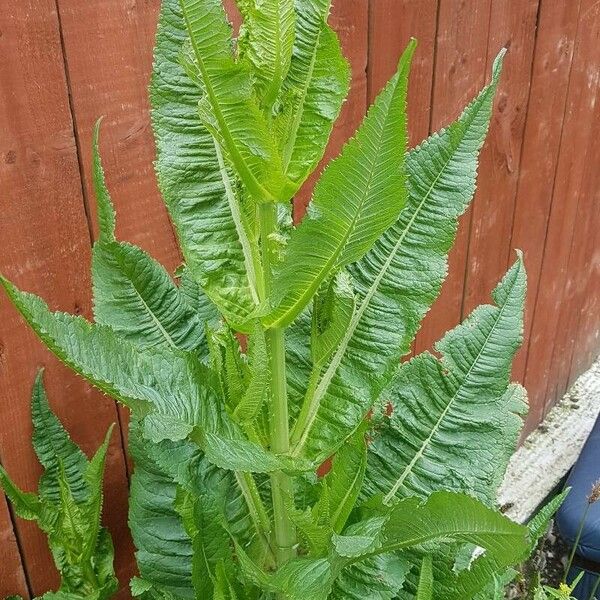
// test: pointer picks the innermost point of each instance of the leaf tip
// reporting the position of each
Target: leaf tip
(520, 261)
(497, 66)
(9, 287)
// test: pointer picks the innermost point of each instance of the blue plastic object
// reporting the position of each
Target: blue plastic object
(585, 473)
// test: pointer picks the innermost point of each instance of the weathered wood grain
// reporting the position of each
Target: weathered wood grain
(492, 219)
(460, 72)
(577, 142)
(557, 27)
(12, 575)
(45, 249)
(392, 23)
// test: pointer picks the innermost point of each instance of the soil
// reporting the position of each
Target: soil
(549, 560)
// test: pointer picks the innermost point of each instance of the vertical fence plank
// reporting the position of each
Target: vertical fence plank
(587, 336)
(513, 27)
(46, 249)
(392, 23)
(108, 51)
(108, 48)
(12, 576)
(555, 40)
(460, 71)
(579, 272)
(350, 19)
(581, 285)
(577, 141)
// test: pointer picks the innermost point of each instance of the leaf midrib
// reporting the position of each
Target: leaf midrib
(419, 454)
(145, 305)
(338, 356)
(421, 539)
(329, 265)
(289, 148)
(224, 129)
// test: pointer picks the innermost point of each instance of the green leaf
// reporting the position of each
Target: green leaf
(171, 391)
(196, 189)
(456, 420)
(539, 523)
(92, 509)
(330, 318)
(313, 92)
(369, 176)
(377, 578)
(446, 515)
(54, 447)
(26, 505)
(399, 278)
(103, 564)
(230, 111)
(196, 299)
(164, 549)
(232, 451)
(71, 525)
(223, 588)
(418, 527)
(69, 507)
(270, 38)
(211, 546)
(297, 579)
(257, 386)
(133, 294)
(106, 211)
(425, 589)
(345, 479)
(361, 538)
(314, 525)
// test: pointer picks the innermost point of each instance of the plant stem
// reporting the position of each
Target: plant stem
(595, 589)
(258, 513)
(282, 489)
(577, 538)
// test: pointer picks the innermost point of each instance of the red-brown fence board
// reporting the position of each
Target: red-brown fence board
(392, 23)
(108, 51)
(460, 72)
(584, 246)
(67, 62)
(577, 140)
(587, 337)
(583, 239)
(12, 575)
(45, 249)
(492, 218)
(557, 27)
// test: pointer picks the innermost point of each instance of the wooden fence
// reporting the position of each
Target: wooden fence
(66, 62)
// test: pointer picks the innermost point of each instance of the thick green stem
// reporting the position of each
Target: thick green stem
(282, 489)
